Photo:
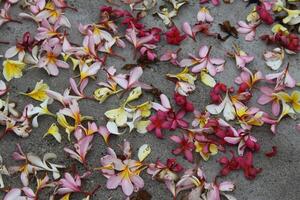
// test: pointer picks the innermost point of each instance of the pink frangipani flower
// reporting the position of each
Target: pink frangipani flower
(204, 61)
(248, 29)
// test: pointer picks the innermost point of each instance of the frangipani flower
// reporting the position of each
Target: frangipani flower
(186, 146)
(283, 79)
(88, 71)
(293, 99)
(81, 149)
(32, 164)
(72, 112)
(170, 56)
(13, 69)
(122, 172)
(269, 95)
(39, 92)
(21, 47)
(173, 36)
(247, 80)
(274, 58)
(293, 16)
(50, 61)
(213, 65)
(54, 131)
(241, 58)
(205, 149)
(38, 111)
(244, 140)
(46, 30)
(226, 106)
(69, 184)
(204, 15)
(4, 14)
(248, 29)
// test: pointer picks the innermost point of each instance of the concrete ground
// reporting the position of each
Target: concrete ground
(280, 178)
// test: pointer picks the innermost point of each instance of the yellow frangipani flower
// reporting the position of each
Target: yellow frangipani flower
(293, 99)
(39, 92)
(54, 131)
(13, 69)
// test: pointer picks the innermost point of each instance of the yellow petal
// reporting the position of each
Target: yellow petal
(207, 79)
(101, 94)
(54, 131)
(39, 92)
(213, 149)
(145, 109)
(284, 96)
(12, 69)
(296, 106)
(278, 27)
(63, 122)
(295, 96)
(141, 126)
(66, 197)
(134, 94)
(143, 152)
(119, 115)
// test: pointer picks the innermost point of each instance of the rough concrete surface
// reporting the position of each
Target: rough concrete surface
(280, 178)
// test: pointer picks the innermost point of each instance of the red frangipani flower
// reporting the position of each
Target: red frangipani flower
(186, 146)
(173, 36)
(264, 14)
(159, 122)
(244, 162)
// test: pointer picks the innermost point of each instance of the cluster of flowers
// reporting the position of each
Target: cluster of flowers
(209, 132)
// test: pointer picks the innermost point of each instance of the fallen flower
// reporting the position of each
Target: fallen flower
(158, 123)
(186, 146)
(39, 92)
(173, 36)
(213, 65)
(13, 69)
(54, 131)
(264, 14)
(81, 149)
(204, 15)
(274, 58)
(248, 29)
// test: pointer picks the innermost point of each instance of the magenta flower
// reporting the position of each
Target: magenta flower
(176, 119)
(159, 122)
(186, 146)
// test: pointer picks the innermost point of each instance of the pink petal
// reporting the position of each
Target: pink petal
(113, 182)
(226, 186)
(203, 51)
(187, 29)
(275, 108)
(264, 99)
(176, 138)
(62, 64)
(127, 187)
(137, 181)
(135, 74)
